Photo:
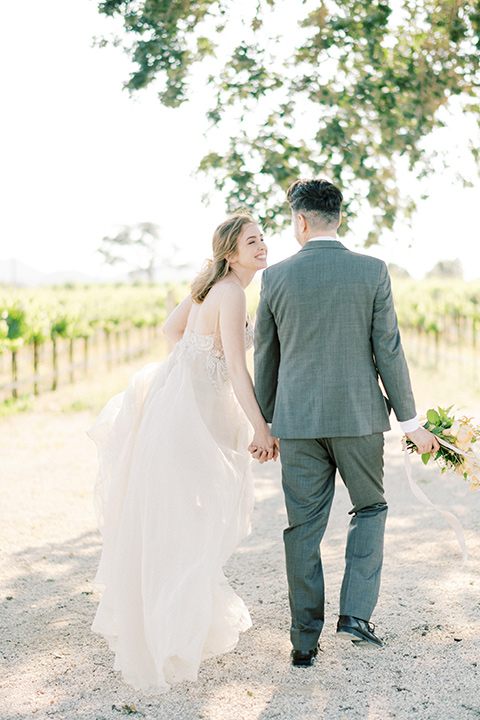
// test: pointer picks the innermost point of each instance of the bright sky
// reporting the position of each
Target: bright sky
(80, 157)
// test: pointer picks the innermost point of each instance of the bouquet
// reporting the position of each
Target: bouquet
(457, 440)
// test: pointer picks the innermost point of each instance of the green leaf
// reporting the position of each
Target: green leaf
(433, 416)
(425, 458)
(373, 86)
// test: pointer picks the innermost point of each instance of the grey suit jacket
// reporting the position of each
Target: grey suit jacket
(326, 329)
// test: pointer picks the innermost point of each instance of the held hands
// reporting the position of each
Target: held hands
(264, 447)
(425, 441)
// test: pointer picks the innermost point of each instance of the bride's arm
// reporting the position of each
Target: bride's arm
(177, 321)
(233, 313)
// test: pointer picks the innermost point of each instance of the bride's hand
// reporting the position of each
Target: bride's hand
(264, 447)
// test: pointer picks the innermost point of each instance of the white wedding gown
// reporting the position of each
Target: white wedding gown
(175, 498)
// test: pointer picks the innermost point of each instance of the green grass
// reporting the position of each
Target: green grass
(13, 406)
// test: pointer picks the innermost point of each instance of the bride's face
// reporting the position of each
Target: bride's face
(251, 250)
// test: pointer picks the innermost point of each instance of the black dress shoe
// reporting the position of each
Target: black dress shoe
(356, 630)
(304, 658)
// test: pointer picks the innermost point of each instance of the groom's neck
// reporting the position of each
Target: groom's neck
(317, 233)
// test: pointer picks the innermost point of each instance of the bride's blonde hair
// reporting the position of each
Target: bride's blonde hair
(224, 244)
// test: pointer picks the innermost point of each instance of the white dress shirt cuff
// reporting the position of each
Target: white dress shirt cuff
(409, 425)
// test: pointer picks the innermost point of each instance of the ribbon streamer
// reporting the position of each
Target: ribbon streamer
(452, 519)
(455, 449)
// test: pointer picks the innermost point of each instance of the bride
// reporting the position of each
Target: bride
(174, 488)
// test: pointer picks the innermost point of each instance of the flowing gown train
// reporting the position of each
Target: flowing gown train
(174, 495)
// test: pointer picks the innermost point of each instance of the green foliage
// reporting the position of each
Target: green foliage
(435, 305)
(157, 37)
(3, 329)
(35, 315)
(350, 92)
(425, 458)
(14, 318)
(15, 405)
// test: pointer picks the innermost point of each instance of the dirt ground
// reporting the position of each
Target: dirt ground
(52, 666)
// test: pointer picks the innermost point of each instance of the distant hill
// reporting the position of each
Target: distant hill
(69, 276)
(14, 272)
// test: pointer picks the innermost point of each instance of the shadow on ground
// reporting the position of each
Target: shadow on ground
(429, 614)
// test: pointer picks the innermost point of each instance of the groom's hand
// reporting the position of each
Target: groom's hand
(264, 448)
(259, 454)
(263, 455)
(424, 440)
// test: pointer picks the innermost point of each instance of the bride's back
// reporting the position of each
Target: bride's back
(204, 318)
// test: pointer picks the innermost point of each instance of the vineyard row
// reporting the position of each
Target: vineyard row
(46, 333)
(36, 324)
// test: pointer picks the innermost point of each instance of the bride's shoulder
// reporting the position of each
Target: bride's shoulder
(228, 289)
(231, 300)
(227, 281)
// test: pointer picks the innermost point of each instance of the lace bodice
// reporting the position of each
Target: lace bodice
(194, 345)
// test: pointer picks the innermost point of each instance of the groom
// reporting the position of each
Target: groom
(326, 331)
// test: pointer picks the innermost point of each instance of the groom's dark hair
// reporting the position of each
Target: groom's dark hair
(321, 200)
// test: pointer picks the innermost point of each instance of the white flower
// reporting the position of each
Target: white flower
(464, 437)
(453, 430)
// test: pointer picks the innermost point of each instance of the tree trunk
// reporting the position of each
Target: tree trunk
(35, 366)
(108, 345)
(14, 373)
(70, 359)
(54, 363)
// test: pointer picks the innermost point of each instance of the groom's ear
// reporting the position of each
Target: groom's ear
(339, 219)
(302, 222)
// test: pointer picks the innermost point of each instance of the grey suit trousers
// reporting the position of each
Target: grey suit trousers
(308, 474)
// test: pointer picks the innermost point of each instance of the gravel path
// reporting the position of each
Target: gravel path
(52, 666)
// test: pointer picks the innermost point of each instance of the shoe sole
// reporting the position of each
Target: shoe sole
(356, 639)
(307, 663)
